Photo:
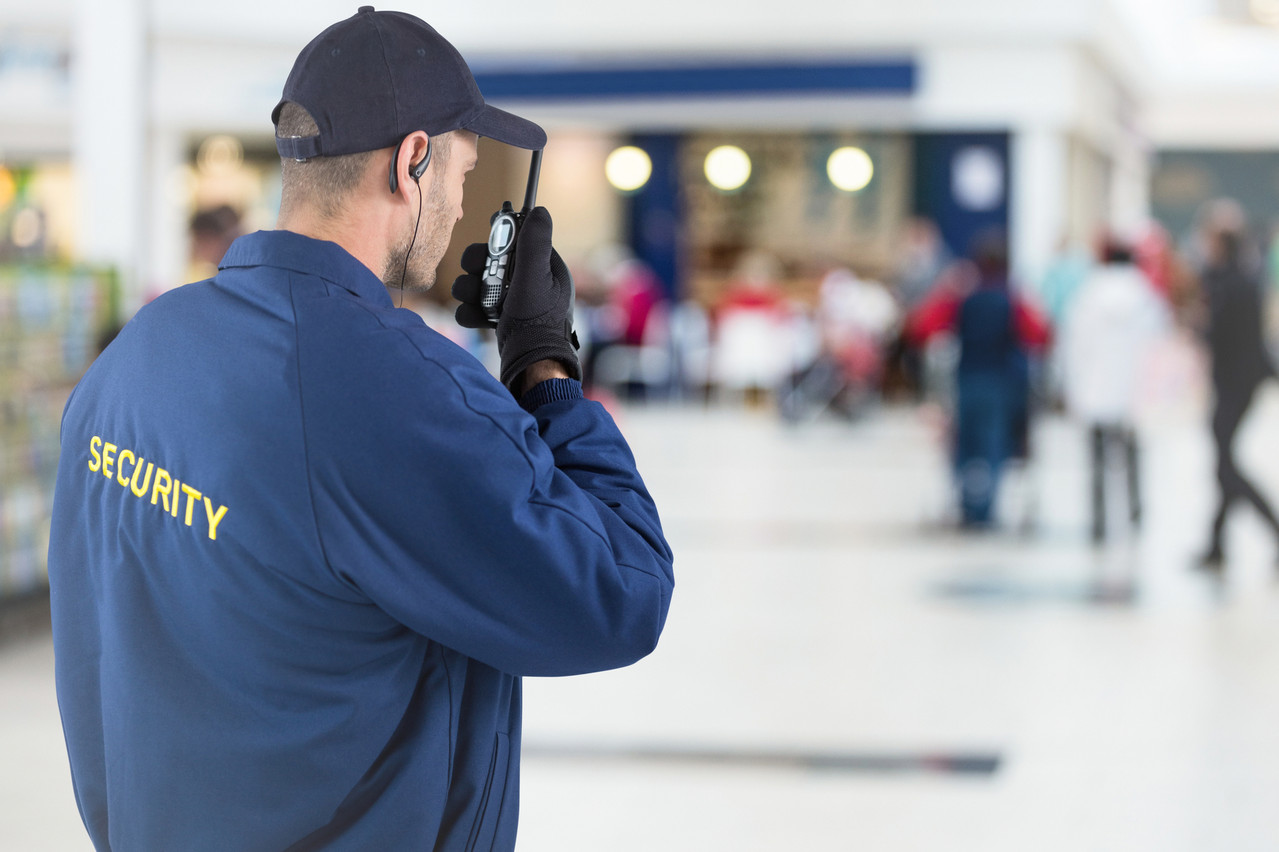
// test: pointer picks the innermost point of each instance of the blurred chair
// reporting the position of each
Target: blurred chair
(752, 353)
(648, 367)
(691, 349)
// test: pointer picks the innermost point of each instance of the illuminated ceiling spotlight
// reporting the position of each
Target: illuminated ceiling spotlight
(1265, 11)
(220, 154)
(850, 169)
(728, 167)
(628, 168)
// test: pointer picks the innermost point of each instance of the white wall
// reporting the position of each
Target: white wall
(109, 132)
(1178, 60)
(1211, 83)
(584, 27)
(35, 88)
(46, 14)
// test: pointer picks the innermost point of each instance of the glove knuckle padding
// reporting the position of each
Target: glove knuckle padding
(536, 320)
(469, 316)
(466, 288)
(475, 258)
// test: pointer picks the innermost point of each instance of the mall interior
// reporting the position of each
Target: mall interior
(776, 218)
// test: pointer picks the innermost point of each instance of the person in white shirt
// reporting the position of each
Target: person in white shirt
(1107, 335)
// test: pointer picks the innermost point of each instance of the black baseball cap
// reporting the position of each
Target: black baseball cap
(376, 77)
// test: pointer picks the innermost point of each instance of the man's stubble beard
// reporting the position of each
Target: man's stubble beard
(433, 235)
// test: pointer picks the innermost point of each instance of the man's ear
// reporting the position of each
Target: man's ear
(419, 145)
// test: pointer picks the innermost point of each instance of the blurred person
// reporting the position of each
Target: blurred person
(1157, 257)
(1150, 254)
(752, 326)
(689, 327)
(1056, 291)
(1066, 272)
(996, 332)
(857, 317)
(922, 257)
(856, 321)
(754, 286)
(1107, 336)
(635, 292)
(626, 315)
(304, 548)
(213, 230)
(920, 260)
(1213, 218)
(1240, 363)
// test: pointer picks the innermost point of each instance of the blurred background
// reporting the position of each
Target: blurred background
(920, 316)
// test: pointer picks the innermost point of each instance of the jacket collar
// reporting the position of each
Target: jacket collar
(320, 258)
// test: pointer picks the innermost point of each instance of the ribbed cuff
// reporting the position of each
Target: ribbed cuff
(551, 390)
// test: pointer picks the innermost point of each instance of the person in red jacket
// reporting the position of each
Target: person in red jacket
(997, 331)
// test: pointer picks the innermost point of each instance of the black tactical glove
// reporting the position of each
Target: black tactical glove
(535, 320)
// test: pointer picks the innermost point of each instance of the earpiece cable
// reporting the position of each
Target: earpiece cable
(405, 270)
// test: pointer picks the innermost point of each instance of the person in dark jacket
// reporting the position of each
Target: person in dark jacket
(996, 332)
(1240, 363)
(304, 548)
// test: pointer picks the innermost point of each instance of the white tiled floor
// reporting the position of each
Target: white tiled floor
(815, 615)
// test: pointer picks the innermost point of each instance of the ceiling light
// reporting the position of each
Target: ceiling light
(628, 168)
(728, 167)
(850, 169)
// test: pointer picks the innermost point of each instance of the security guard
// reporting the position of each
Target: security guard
(303, 547)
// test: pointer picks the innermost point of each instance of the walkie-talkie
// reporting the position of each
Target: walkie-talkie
(504, 229)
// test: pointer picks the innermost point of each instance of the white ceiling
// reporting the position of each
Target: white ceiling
(1201, 46)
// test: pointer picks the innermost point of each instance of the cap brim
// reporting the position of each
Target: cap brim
(503, 126)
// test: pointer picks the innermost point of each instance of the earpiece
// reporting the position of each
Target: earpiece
(420, 169)
(416, 170)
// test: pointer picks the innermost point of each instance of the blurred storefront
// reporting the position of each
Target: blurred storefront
(137, 142)
(1046, 111)
(136, 137)
(1046, 88)
(1185, 180)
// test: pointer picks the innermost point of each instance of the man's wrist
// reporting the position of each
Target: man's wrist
(538, 372)
(551, 390)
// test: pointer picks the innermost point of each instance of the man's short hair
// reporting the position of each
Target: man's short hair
(324, 182)
(1115, 250)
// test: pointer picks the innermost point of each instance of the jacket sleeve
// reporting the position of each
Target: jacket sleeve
(934, 315)
(1032, 328)
(528, 543)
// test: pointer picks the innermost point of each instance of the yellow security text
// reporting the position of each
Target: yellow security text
(136, 476)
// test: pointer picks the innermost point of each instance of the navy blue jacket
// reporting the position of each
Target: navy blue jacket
(303, 549)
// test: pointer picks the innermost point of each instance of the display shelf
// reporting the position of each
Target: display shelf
(52, 322)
